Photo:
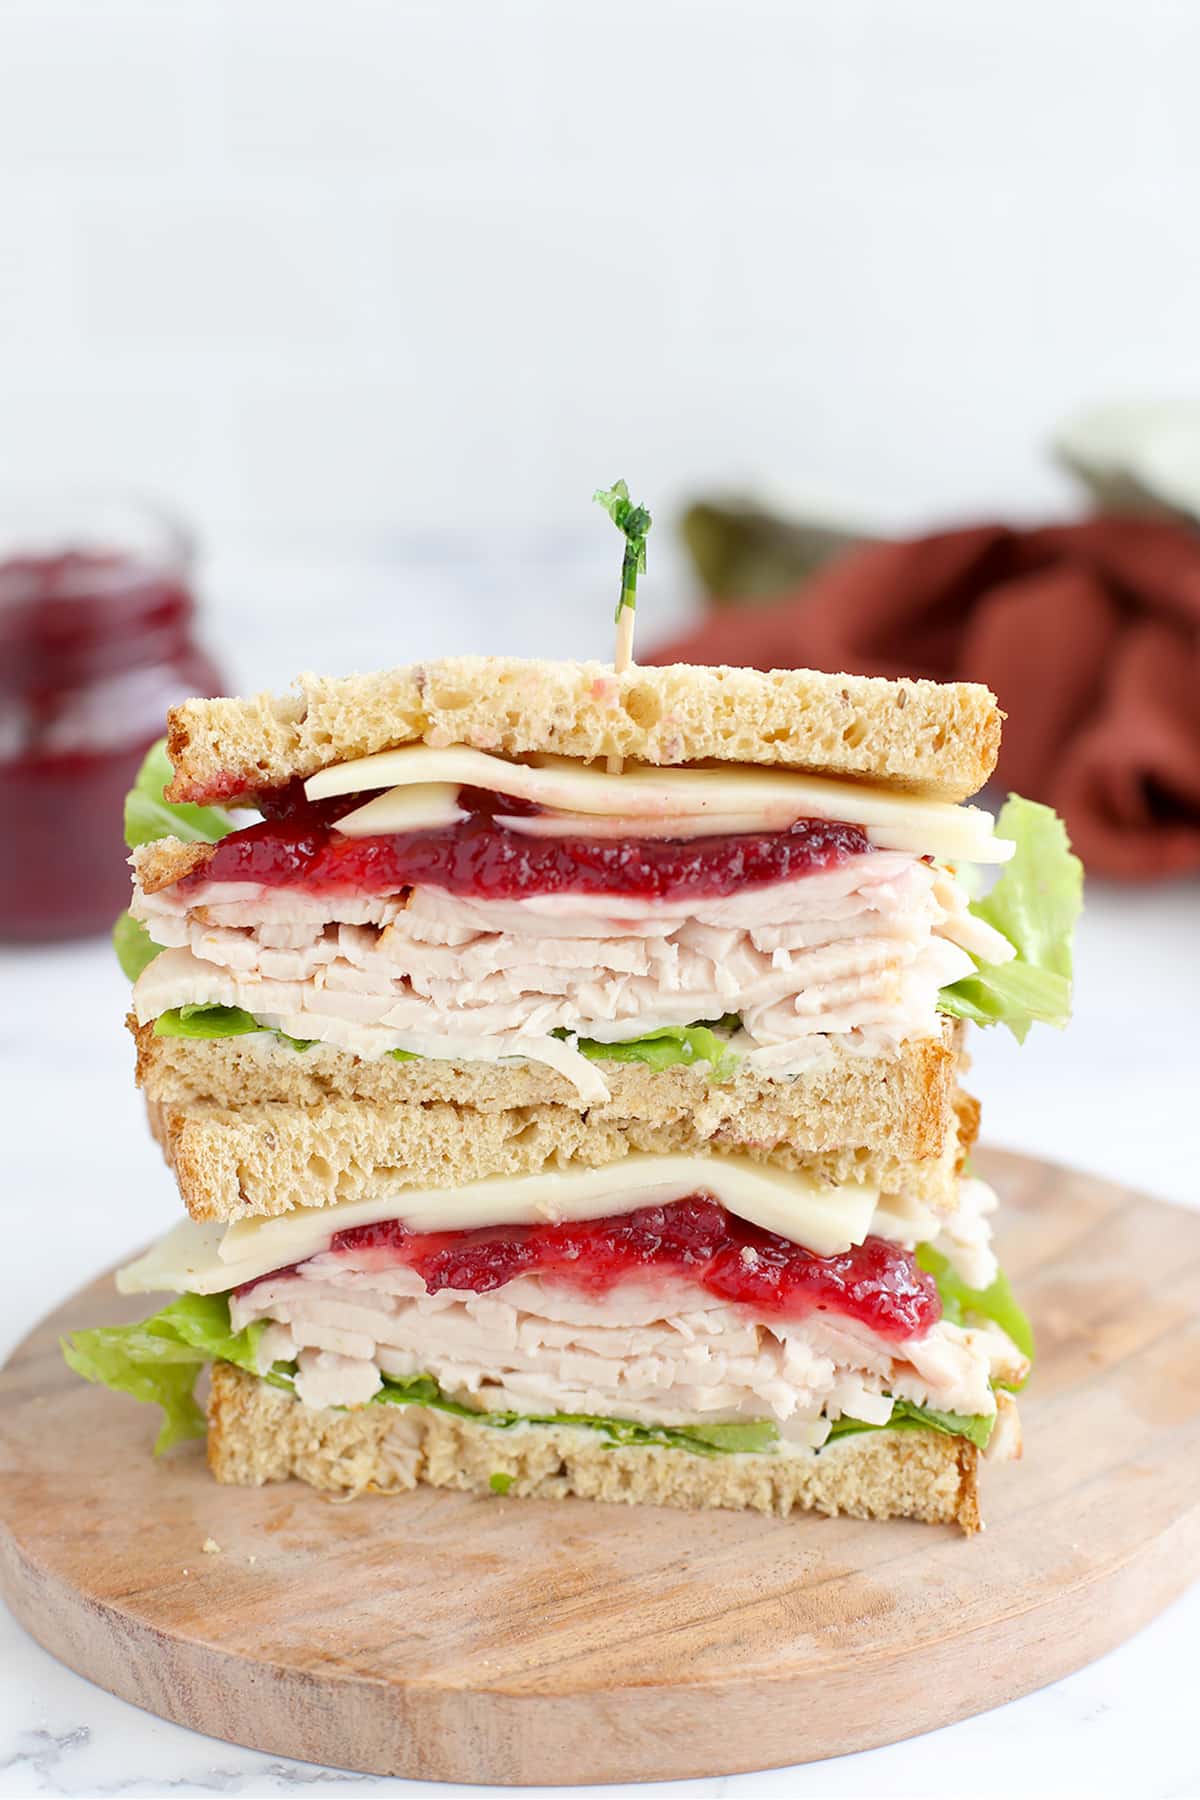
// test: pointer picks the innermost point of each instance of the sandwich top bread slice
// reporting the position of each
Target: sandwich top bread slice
(921, 737)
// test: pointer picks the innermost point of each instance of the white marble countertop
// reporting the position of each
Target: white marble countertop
(84, 1185)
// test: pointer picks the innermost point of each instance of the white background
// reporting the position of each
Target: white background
(390, 266)
(376, 294)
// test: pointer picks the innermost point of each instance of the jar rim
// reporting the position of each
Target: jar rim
(39, 521)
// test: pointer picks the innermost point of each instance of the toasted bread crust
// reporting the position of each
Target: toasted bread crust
(167, 860)
(257, 1433)
(968, 1113)
(916, 736)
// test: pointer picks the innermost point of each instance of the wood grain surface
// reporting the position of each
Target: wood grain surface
(442, 1636)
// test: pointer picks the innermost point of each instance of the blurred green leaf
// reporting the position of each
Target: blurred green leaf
(744, 553)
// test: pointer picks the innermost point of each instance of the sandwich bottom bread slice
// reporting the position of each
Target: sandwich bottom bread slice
(243, 1121)
(258, 1434)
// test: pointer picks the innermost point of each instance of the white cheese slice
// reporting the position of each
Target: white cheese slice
(186, 1261)
(903, 1219)
(426, 805)
(770, 797)
(550, 823)
(962, 844)
(208, 1259)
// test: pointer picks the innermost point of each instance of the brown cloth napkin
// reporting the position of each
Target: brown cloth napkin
(1088, 633)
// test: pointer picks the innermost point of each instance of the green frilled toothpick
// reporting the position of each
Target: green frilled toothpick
(634, 523)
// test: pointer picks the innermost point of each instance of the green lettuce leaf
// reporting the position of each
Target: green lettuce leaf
(133, 945)
(748, 1437)
(754, 1435)
(1035, 904)
(660, 1049)
(961, 1303)
(907, 1417)
(669, 1046)
(159, 1358)
(197, 1021)
(149, 817)
(205, 1022)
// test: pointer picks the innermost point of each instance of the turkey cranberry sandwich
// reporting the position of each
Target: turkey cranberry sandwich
(558, 1130)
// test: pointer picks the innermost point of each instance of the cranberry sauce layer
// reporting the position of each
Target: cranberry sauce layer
(299, 846)
(694, 1239)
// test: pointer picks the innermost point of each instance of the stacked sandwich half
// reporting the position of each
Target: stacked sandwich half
(552, 1131)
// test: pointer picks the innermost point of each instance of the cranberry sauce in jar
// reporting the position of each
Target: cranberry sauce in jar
(96, 642)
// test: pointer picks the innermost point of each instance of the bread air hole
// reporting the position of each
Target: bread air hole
(527, 1132)
(643, 706)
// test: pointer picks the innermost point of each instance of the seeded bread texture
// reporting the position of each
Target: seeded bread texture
(257, 1433)
(918, 736)
(902, 1102)
(264, 1159)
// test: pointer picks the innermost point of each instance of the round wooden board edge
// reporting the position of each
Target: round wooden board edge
(674, 1733)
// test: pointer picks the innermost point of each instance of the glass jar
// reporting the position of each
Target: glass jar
(96, 642)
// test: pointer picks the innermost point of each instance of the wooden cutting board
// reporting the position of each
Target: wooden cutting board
(485, 1640)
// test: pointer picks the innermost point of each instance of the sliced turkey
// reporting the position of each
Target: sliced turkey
(858, 952)
(660, 1352)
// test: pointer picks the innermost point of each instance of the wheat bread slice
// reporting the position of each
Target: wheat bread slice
(259, 1433)
(924, 737)
(902, 1102)
(265, 1158)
